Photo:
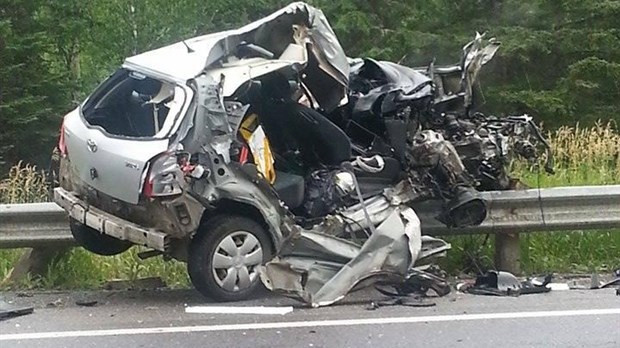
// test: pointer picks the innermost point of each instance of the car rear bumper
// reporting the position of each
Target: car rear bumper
(109, 224)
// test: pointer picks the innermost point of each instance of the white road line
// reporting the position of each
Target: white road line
(238, 310)
(304, 324)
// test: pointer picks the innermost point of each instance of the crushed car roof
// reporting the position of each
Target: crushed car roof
(185, 60)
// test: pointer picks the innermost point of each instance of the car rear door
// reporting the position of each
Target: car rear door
(112, 165)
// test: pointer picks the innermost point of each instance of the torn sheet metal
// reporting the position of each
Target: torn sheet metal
(380, 86)
(420, 283)
(321, 269)
(475, 55)
(500, 283)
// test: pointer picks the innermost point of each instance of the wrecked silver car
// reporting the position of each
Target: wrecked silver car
(264, 154)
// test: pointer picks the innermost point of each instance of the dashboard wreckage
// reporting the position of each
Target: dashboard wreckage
(265, 155)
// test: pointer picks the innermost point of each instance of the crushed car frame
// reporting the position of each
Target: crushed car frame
(264, 153)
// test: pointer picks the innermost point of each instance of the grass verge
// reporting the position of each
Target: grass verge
(80, 269)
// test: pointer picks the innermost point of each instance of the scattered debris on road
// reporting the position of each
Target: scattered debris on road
(87, 303)
(596, 283)
(500, 283)
(609, 284)
(409, 301)
(55, 304)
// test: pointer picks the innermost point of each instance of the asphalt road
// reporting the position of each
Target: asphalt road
(575, 318)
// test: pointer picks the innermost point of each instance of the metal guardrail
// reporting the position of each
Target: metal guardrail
(33, 225)
(562, 208)
(532, 210)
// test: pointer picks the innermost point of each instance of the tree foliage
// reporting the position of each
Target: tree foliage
(560, 59)
(32, 86)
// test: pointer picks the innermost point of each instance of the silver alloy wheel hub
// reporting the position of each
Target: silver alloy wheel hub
(235, 261)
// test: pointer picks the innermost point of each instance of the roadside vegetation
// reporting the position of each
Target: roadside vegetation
(584, 156)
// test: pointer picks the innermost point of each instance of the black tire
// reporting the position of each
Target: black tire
(96, 242)
(211, 279)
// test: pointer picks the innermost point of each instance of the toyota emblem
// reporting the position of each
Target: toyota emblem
(92, 145)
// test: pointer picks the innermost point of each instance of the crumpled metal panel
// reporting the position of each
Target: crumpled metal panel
(321, 269)
(326, 39)
(272, 32)
(475, 55)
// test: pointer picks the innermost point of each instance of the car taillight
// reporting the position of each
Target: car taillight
(62, 147)
(147, 188)
(164, 177)
(165, 174)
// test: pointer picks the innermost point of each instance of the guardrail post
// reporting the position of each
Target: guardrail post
(508, 252)
(34, 262)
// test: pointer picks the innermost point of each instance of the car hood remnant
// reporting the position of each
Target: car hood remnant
(377, 86)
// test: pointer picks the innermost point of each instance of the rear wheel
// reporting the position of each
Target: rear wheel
(224, 257)
(95, 241)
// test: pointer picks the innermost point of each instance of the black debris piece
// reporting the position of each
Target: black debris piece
(536, 286)
(8, 311)
(86, 303)
(372, 306)
(414, 291)
(418, 283)
(500, 283)
(23, 294)
(409, 301)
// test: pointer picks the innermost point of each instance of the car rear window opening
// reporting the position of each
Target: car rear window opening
(134, 105)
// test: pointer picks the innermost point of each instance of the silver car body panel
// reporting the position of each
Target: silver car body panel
(113, 165)
(321, 280)
(475, 55)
